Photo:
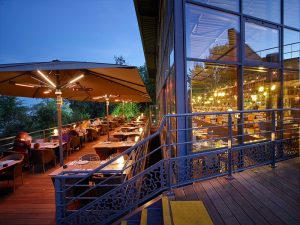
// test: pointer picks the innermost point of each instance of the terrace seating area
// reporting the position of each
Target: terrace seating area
(85, 141)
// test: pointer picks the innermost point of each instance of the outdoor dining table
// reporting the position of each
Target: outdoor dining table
(7, 164)
(48, 145)
(84, 167)
(130, 133)
(114, 145)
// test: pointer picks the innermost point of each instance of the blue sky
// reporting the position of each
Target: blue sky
(77, 30)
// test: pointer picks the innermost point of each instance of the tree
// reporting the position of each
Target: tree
(13, 116)
(130, 110)
(119, 60)
(150, 85)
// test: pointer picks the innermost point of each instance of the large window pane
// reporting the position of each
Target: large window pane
(261, 91)
(261, 43)
(264, 9)
(226, 4)
(291, 99)
(292, 13)
(212, 87)
(291, 49)
(211, 34)
(261, 88)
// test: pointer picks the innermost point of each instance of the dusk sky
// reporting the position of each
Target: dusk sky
(75, 30)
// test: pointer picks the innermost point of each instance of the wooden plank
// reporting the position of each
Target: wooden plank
(291, 209)
(225, 213)
(232, 205)
(266, 199)
(256, 203)
(243, 202)
(272, 188)
(213, 212)
(179, 194)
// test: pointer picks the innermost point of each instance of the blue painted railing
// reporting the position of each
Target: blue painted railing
(80, 201)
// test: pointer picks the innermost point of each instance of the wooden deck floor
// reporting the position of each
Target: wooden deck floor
(33, 203)
(257, 196)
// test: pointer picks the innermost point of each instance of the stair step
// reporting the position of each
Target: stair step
(166, 211)
(130, 222)
(152, 216)
(190, 212)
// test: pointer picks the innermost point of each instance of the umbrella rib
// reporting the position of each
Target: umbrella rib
(101, 74)
(98, 75)
(3, 81)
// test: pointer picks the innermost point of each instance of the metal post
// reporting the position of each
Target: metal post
(107, 104)
(169, 137)
(59, 127)
(59, 201)
(123, 109)
(229, 146)
(273, 137)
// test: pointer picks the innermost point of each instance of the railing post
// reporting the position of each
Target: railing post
(59, 200)
(273, 137)
(170, 193)
(44, 134)
(229, 145)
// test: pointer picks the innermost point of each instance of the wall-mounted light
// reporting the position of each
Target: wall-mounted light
(261, 89)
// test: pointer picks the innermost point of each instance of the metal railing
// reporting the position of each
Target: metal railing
(6, 143)
(82, 199)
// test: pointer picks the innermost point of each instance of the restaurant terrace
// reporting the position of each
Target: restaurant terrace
(219, 146)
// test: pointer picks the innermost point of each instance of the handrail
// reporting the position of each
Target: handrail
(172, 171)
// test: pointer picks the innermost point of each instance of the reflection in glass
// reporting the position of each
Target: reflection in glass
(211, 34)
(264, 9)
(225, 4)
(292, 13)
(261, 43)
(261, 88)
(291, 99)
(291, 49)
(212, 87)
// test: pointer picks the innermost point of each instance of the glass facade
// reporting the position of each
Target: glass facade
(261, 43)
(237, 55)
(263, 9)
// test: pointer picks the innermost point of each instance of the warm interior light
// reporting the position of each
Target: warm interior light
(25, 85)
(136, 138)
(141, 130)
(55, 132)
(46, 92)
(120, 160)
(229, 110)
(254, 98)
(47, 79)
(261, 89)
(273, 87)
(265, 93)
(76, 79)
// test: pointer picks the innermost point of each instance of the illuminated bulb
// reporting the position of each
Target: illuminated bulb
(229, 110)
(140, 130)
(55, 132)
(46, 92)
(273, 87)
(261, 89)
(254, 98)
(219, 101)
(76, 79)
(136, 138)
(211, 98)
(265, 93)
(216, 94)
(46, 78)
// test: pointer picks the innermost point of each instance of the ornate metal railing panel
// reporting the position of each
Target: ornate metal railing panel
(80, 202)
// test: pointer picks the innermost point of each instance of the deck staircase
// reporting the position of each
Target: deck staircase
(170, 212)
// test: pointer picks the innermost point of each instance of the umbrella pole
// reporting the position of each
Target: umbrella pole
(107, 104)
(123, 109)
(59, 102)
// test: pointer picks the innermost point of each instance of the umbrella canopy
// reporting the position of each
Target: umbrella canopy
(84, 81)
(23, 79)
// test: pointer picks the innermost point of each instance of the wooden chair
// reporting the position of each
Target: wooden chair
(91, 134)
(12, 172)
(104, 153)
(42, 157)
(75, 143)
